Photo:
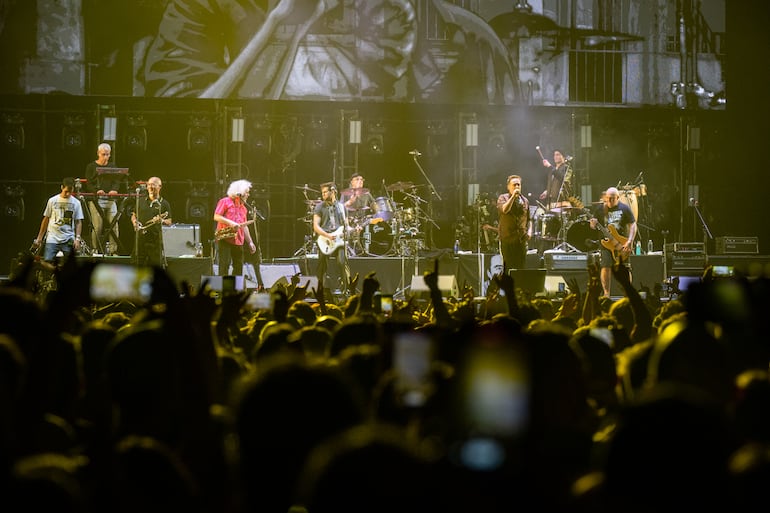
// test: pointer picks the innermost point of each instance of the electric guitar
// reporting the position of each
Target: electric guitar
(230, 231)
(613, 241)
(328, 246)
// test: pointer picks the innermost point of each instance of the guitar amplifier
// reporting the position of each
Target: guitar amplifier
(737, 245)
(181, 239)
(687, 261)
(686, 247)
(560, 260)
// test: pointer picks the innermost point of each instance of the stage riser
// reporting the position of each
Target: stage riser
(395, 273)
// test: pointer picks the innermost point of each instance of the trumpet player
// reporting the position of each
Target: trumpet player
(231, 215)
(153, 212)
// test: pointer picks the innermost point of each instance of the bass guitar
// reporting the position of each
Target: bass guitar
(230, 231)
(613, 241)
(327, 246)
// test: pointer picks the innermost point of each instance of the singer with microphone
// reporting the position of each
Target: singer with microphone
(232, 231)
(515, 225)
(154, 211)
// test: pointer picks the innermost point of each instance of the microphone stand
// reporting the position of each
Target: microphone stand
(162, 247)
(258, 253)
(706, 232)
(136, 231)
(434, 192)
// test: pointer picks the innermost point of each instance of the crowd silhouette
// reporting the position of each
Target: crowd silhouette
(195, 401)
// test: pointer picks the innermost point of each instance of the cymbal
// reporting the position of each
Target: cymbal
(357, 210)
(312, 202)
(399, 186)
(355, 192)
(305, 188)
(562, 209)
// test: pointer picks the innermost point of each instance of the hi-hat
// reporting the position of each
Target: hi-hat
(305, 188)
(312, 203)
(356, 210)
(358, 191)
(399, 186)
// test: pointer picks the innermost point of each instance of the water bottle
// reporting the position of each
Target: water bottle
(638, 250)
(457, 246)
(650, 247)
(107, 248)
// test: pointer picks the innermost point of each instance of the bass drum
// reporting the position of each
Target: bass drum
(583, 237)
(379, 236)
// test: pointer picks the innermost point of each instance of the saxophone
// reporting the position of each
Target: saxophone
(226, 233)
(229, 231)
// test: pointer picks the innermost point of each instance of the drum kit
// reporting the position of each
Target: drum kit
(564, 227)
(393, 229)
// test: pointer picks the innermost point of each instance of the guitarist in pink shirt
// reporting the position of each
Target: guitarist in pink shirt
(330, 223)
(618, 226)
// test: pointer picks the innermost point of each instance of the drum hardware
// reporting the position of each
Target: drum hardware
(305, 189)
(308, 246)
(399, 187)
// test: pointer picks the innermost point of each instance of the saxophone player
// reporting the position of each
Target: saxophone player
(231, 216)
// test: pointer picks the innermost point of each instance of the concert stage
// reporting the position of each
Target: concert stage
(396, 273)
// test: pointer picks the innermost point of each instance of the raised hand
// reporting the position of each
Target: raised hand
(621, 273)
(353, 285)
(573, 286)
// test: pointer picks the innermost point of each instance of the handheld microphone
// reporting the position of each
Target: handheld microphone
(415, 153)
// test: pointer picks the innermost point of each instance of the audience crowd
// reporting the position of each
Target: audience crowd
(198, 401)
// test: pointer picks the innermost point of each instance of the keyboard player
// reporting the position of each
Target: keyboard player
(105, 181)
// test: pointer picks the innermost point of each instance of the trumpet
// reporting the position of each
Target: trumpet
(155, 220)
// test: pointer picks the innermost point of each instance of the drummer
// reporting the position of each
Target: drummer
(358, 201)
(558, 184)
